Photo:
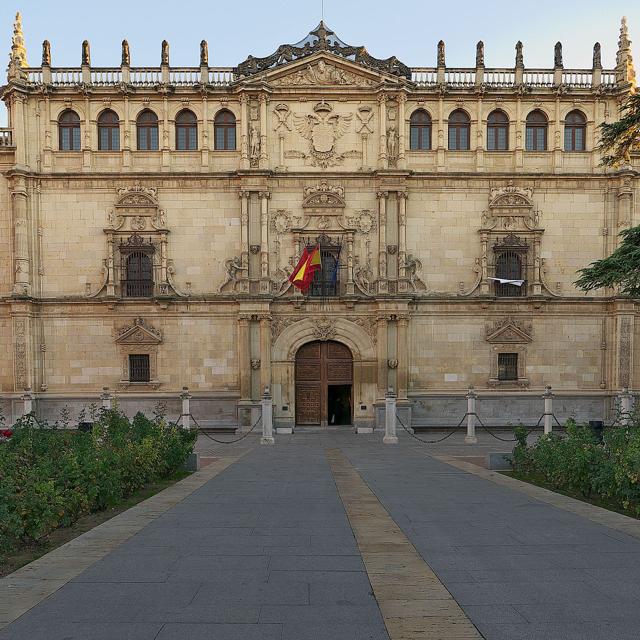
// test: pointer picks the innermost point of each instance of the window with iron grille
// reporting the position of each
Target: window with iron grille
(509, 266)
(507, 366)
(139, 367)
(326, 281)
(136, 268)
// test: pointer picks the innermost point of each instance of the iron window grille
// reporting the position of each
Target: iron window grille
(326, 281)
(507, 366)
(137, 267)
(510, 262)
(139, 367)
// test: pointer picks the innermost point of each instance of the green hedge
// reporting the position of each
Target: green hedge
(577, 462)
(51, 477)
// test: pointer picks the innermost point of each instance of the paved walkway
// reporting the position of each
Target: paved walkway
(265, 549)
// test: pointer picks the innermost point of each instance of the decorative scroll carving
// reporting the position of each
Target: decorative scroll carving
(324, 329)
(321, 39)
(322, 73)
(283, 221)
(364, 222)
(509, 331)
(369, 324)
(20, 350)
(280, 323)
(324, 195)
(139, 332)
(624, 354)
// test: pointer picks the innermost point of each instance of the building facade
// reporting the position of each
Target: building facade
(150, 219)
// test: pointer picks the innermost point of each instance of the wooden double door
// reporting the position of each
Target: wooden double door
(324, 383)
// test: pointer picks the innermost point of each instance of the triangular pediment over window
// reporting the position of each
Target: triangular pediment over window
(509, 332)
(321, 41)
(138, 333)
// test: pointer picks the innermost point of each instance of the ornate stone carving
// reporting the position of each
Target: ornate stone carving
(46, 54)
(624, 353)
(557, 56)
(392, 249)
(365, 116)
(511, 208)
(324, 196)
(369, 324)
(509, 331)
(20, 350)
(321, 39)
(324, 329)
(86, 53)
(412, 269)
(164, 54)
(138, 332)
(364, 222)
(480, 54)
(255, 364)
(283, 221)
(282, 113)
(363, 276)
(392, 363)
(322, 73)
(597, 56)
(204, 54)
(441, 58)
(254, 145)
(323, 129)
(254, 249)
(234, 269)
(280, 323)
(519, 55)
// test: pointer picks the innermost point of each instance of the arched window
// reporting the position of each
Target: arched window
(225, 131)
(186, 131)
(108, 131)
(139, 274)
(509, 267)
(69, 131)
(537, 125)
(459, 131)
(420, 131)
(497, 131)
(147, 131)
(575, 128)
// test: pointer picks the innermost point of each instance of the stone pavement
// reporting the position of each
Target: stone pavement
(265, 549)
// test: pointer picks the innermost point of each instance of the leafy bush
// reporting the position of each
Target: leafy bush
(51, 477)
(579, 463)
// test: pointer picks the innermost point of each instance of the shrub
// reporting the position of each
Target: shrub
(51, 477)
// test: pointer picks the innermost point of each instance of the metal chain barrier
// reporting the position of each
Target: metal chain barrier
(206, 435)
(413, 435)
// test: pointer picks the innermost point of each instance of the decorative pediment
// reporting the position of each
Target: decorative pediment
(319, 40)
(323, 70)
(138, 333)
(511, 241)
(137, 196)
(509, 331)
(510, 197)
(324, 196)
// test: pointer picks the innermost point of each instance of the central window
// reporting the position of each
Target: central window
(326, 281)
(137, 267)
(507, 366)
(139, 367)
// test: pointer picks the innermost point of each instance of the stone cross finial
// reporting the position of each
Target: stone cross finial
(86, 53)
(597, 57)
(126, 55)
(519, 55)
(204, 54)
(18, 49)
(557, 56)
(46, 54)
(164, 57)
(441, 60)
(480, 54)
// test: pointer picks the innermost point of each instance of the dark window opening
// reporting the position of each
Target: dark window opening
(225, 131)
(326, 281)
(497, 131)
(139, 368)
(138, 281)
(507, 366)
(509, 267)
(147, 131)
(420, 131)
(186, 131)
(536, 131)
(108, 131)
(575, 129)
(459, 131)
(69, 131)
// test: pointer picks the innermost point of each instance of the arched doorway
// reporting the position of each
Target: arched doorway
(324, 383)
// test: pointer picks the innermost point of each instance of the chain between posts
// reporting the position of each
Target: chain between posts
(413, 435)
(206, 435)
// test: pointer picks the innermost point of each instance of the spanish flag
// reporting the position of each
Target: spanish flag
(308, 264)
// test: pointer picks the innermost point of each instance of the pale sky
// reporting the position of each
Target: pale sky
(408, 29)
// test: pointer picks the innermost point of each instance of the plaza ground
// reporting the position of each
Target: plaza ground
(329, 535)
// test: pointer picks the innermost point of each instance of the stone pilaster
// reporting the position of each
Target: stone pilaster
(244, 133)
(403, 356)
(382, 242)
(264, 149)
(382, 145)
(402, 241)
(382, 355)
(244, 357)
(265, 351)
(21, 252)
(264, 241)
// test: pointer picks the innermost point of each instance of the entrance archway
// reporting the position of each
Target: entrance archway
(324, 384)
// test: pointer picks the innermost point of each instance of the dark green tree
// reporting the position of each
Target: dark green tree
(621, 268)
(618, 139)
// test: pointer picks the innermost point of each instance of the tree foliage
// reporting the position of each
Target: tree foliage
(618, 139)
(621, 268)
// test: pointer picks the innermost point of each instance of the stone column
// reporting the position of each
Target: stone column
(267, 417)
(548, 409)
(441, 133)
(244, 123)
(518, 126)
(185, 418)
(382, 146)
(17, 122)
(390, 436)
(382, 241)
(382, 355)
(264, 241)
(470, 438)
(403, 356)
(350, 284)
(479, 134)
(244, 357)
(244, 231)
(126, 134)
(484, 275)
(625, 406)
(22, 258)
(557, 139)
(204, 154)
(265, 351)
(402, 127)
(166, 152)
(264, 155)
(402, 236)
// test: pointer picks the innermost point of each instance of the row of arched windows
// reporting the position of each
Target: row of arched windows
(147, 138)
(536, 133)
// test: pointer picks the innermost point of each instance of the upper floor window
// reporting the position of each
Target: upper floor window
(225, 131)
(139, 367)
(575, 128)
(420, 129)
(138, 274)
(497, 131)
(509, 266)
(147, 131)
(69, 131)
(108, 131)
(507, 366)
(459, 131)
(186, 131)
(536, 131)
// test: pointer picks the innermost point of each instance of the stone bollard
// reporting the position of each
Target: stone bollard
(267, 417)
(185, 396)
(390, 436)
(106, 398)
(27, 401)
(548, 409)
(625, 406)
(470, 438)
